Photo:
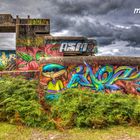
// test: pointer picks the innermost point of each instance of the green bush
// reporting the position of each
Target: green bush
(95, 110)
(2, 67)
(136, 114)
(19, 103)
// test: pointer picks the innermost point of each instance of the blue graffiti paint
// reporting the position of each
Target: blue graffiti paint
(97, 80)
(51, 97)
(138, 88)
(53, 68)
(79, 78)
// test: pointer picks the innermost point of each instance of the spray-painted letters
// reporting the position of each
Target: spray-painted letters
(106, 78)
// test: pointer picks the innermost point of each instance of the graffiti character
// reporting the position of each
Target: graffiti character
(53, 71)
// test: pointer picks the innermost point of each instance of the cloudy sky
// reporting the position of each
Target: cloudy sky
(111, 22)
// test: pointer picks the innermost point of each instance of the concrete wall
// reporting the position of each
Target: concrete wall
(29, 75)
(100, 74)
(28, 57)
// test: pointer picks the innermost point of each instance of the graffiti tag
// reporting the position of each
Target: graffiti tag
(81, 47)
(97, 81)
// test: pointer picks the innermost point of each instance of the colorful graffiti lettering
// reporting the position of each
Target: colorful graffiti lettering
(77, 46)
(82, 47)
(97, 81)
(106, 78)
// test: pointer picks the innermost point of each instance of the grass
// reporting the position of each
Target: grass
(13, 132)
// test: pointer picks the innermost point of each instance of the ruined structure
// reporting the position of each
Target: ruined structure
(24, 27)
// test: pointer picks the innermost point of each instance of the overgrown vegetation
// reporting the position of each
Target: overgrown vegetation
(77, 108)
(2, 67)
(19, 104)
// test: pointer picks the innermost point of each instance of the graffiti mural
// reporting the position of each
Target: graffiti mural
(104, 78)
(28, 57)
(7, 60)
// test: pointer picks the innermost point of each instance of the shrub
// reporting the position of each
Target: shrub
(95, 110)
(136, 114)
(2, 67)
(19, 103)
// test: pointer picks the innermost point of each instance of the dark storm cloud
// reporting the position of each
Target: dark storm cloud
(106, 20)
(132, 35)
(97, 18)
(108, 33)
(84, 7)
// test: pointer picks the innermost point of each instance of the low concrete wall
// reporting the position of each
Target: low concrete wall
(100, 74)
(29, 75)
(113, 60)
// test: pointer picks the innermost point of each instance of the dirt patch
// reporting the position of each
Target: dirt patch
(38, 135)
(122, 137)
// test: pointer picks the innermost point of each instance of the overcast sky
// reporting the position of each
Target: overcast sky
(111, 22)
